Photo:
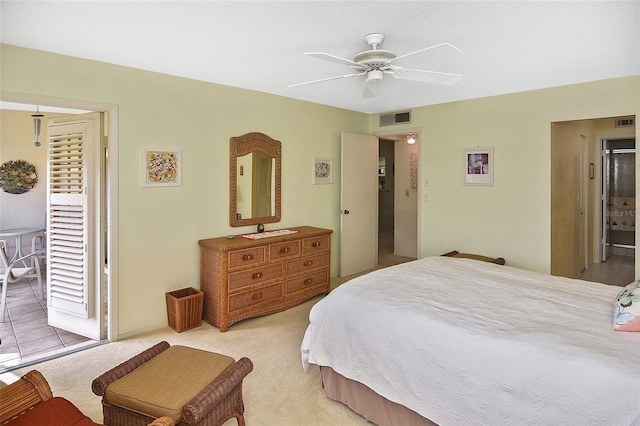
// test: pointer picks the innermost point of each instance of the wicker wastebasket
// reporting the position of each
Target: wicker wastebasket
(184, 308)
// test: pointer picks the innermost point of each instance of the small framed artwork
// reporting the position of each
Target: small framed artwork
(161, 167)
(322, 171)
(478, 166)
(413, 170)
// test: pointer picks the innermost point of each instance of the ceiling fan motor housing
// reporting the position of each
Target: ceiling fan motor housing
(374, 58)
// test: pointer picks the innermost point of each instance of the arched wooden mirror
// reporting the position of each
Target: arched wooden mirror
(254, 179)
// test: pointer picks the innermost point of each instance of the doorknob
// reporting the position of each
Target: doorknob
(345, 211)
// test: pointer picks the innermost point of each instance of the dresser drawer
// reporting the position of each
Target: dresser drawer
(260, 295)
(316, 244)
(254, 276)
(246, 257)
(307, 263)
(282, 250)
(306, 281)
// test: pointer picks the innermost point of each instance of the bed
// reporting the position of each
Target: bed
(457, 341)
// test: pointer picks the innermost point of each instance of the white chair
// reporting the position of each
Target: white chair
(17, 270)
(39, 247)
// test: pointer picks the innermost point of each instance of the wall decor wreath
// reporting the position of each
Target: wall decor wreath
(17, 176)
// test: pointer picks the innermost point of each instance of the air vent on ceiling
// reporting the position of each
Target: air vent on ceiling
(625, 121)
(393, 118)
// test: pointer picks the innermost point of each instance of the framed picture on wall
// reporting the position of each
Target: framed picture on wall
(161, 167)
(322, 171)
(478, 166)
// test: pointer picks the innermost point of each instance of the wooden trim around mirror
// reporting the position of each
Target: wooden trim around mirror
(242, 145)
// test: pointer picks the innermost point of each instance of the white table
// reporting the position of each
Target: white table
(17, 233)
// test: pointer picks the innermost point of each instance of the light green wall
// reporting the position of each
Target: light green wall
(159, 227)
(512, 218)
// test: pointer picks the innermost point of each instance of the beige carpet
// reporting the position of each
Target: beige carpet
(276, 392)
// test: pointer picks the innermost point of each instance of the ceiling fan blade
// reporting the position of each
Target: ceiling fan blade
(370, 89)
(327, 79)
(425, 76)
(333, 58)
(436, 53)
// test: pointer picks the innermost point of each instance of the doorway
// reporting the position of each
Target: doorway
(59, 107)
(386, 194)
(579, 206)
(397, 199)
(365, 176)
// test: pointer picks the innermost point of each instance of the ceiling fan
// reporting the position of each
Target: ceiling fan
(374, 63)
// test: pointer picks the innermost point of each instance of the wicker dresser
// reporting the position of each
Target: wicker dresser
(244, 278)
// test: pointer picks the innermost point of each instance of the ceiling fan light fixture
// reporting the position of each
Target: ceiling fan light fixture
(374, 75)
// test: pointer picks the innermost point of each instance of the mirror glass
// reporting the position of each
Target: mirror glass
(254, 180)
(256, 189)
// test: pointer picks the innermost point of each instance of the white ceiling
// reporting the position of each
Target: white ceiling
(507, 46)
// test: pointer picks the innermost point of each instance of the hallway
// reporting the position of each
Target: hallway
(385, 249)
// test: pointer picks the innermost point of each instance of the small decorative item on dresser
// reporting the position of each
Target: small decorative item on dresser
(184, 308)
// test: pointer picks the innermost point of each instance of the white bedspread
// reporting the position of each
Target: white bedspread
(466, 342)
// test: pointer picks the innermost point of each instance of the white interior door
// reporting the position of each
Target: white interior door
(74, 273)
(359, 203)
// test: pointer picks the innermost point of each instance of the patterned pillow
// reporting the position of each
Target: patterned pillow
(626, 316)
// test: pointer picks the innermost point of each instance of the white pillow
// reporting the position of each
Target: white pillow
(626, 316)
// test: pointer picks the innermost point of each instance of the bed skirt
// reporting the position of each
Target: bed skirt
(368, 403)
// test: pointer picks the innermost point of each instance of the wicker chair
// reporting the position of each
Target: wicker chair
(218, 402)
(29, 400)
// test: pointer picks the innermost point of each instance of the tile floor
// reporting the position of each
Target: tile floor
(25, 333)
(617, 270)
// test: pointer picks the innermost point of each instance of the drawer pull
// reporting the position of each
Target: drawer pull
(315, 244)
(285, 250)
(308, 281)
(247, 257)
(257, 296)
(257, 275)
(308, 263)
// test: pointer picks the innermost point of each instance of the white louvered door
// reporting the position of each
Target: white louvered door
(74, 280)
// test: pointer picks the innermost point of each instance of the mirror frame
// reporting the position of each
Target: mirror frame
(246, 144)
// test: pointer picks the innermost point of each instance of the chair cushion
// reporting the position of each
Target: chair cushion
(52, 412)
(163, 385)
